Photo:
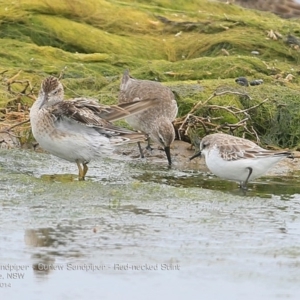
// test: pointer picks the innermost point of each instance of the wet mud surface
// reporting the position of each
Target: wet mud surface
(169, 233)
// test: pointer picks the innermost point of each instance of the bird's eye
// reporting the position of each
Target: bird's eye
(204, 145)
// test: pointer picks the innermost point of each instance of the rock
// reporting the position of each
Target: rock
(8, 140)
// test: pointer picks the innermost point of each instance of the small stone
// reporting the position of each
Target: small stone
(243, 81)
(256, 82)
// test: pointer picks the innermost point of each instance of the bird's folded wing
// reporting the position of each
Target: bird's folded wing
(84, 111)
(237, 152)
(88, 112)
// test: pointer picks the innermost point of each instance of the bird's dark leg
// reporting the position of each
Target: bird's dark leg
(140, 149)
(149, 148)
(244, 184)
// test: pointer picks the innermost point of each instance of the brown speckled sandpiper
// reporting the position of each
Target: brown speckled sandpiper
(156, 121)
(79, 130)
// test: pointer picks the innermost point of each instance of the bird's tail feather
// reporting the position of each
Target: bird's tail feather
(128, 139)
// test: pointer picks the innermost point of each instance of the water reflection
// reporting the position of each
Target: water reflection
(264, 187)
(59, 177)
(116, 229)
(42, 237)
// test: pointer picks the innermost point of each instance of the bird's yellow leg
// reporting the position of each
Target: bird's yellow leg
(80, 170)
(85, 169)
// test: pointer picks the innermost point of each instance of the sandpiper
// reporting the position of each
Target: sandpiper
(79, 130)
(237, 159)
(156, 121)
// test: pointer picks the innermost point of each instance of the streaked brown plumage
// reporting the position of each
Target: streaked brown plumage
(80, 129)
(156, 121)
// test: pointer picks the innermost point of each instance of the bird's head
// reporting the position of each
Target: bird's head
(51, 92)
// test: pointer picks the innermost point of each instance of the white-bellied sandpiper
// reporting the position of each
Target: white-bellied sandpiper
(237, 159)
(80, 129)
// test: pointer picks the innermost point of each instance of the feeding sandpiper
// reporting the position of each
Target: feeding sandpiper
(237, 159)
(157, 120)
(79, 130)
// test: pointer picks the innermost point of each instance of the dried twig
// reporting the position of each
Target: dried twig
(255, 106)
(3, 72)
(8, 130)
(12, 79)
(192, 121)
(200, 103)
(14, 126)
(61, 74)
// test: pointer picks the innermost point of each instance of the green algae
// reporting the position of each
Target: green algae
(194, 47)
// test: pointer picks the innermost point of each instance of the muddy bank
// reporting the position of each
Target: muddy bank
(182, 151)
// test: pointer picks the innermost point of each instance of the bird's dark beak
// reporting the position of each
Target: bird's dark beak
(168, 153)
(196, 155)
(44, 101)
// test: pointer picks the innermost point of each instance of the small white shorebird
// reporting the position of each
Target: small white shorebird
(79, 130)
(237, 159)
(157, 120)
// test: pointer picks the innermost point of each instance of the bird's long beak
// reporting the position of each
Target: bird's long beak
(196, 155)
(168, 153)
(44, 101)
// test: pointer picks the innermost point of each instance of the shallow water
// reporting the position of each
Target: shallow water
(135, 230)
